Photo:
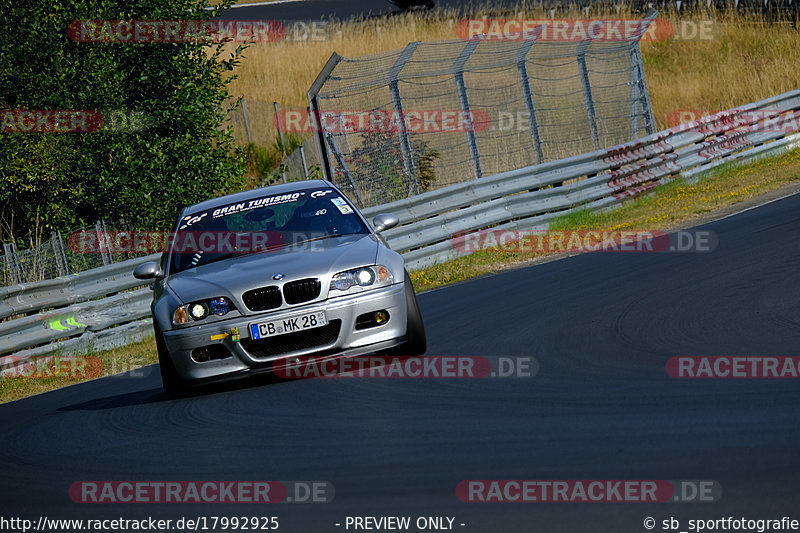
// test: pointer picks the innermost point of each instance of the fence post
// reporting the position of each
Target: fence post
(101, 242)
(303, 159)
(246, 123)
(313, 104)
(57, 254)
(458, 70)
(11, 264)
(640, 95)
(343, 165)
(63, 252)
(280, 134)
(587, 92)
(527, 93)
(397, 103)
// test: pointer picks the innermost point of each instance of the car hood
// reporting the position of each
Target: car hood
(316, 259)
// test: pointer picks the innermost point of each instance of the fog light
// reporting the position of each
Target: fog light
(201, 355)
(372, 320)
(212, 352)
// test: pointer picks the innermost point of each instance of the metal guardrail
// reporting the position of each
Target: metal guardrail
(25, 298)
(529, 198)
(92, 310)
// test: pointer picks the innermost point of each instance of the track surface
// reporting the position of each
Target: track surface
(341, 9)
(602, 407)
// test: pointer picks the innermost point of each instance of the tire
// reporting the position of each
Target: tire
(174, 385)
(416, 342)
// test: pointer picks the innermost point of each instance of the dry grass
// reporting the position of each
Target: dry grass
(746, 61)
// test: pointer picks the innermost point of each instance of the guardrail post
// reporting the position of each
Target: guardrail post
(397, 103)
(343, 166)
(527, 93)
(587, 93)
(458, 70)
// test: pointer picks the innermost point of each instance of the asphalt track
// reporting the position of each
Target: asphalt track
(340, 9)
(601, 326)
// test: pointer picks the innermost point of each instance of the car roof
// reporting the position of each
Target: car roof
(260, 192)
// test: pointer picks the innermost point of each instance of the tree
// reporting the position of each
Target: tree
(184, 153)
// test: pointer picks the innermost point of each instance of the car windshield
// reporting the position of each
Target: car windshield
(261, 223)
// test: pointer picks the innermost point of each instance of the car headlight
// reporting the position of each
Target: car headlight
(369, 276)
(202, 309)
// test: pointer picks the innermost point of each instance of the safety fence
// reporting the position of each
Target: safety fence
(433, 114)
(106, 307)
(55, 257)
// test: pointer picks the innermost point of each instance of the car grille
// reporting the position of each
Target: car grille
(262, 299)
(293, 342)
(304, 290)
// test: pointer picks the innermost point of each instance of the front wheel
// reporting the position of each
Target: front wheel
(416, 342)
(174, 385)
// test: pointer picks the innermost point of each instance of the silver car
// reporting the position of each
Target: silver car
(256, 277)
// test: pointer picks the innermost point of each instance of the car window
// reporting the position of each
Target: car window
(263, 222)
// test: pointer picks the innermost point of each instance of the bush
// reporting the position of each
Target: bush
(378, 169)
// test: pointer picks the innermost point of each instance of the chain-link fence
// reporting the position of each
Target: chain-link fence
(62, 255)
(433, 114)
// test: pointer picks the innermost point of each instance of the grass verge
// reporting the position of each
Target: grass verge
(670, 206)
(69, 371)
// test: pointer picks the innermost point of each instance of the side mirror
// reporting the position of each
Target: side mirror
(149, 270)
(384, 221)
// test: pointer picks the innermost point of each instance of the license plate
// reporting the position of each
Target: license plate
(290, 324)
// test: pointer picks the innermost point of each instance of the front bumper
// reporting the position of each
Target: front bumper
(182, 342)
